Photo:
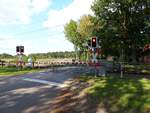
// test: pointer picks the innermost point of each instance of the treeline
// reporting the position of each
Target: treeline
(122, 26)
(53, 55)
(6, 56)
(65, 54)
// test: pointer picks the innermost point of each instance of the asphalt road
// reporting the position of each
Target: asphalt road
(33, 93)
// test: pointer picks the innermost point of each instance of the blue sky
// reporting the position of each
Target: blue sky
(38, 24)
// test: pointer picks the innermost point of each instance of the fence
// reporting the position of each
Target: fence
(42, 64)
(111, 67)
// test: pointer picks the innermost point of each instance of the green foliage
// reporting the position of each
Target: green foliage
(119, 95)
(86, 26)
(119, 24)
(33, 57)
(129, 19)
(11, 71)
(7, 56)
(72, 34)
(79, 32)
(36, 56)
(52, 55)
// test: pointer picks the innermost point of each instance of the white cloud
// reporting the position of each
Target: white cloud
(59, 43)
(9, 43)
(13, 11)
(20, 11)
(60, 17)
(40, 5)
(52, 43)
(73, 11)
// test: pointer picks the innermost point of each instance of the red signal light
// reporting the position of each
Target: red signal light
(94, 43)
(94, 40)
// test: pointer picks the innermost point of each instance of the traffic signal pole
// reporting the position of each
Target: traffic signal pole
(93, 46)
(20, 51)
(95, 52)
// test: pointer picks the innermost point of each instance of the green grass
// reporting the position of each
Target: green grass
(11, 71)
(118, 95)
(138, 68)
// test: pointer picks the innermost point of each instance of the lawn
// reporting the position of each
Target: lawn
(10, 71)
(116, 95)
(145, 68)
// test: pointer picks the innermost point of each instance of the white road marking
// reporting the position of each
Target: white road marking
(43, 73)
(45, 82)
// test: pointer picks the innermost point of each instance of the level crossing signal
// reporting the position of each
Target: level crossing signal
(17, 49)
(94, 42)
(20, 49)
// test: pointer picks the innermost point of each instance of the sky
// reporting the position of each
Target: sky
(38, 25)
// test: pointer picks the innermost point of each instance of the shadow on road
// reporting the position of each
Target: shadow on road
(71, 101)
(107, 95)
(27, 99)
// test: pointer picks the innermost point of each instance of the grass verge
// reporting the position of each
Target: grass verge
(116, 95)
(143, 69)
(11, 71)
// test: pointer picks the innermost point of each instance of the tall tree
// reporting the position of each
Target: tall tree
(86, 26)
(72, 34)
(131, 20)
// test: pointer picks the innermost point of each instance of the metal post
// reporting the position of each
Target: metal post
(122, 59)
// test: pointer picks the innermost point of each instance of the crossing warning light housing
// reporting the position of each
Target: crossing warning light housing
(94, 42)
(17, 49)
(22, 49)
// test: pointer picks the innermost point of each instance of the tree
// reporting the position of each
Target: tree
(6, 56)
(86, 26)
(73, 35)
(130, 18)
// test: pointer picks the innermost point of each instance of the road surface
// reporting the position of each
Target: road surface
(33, 93)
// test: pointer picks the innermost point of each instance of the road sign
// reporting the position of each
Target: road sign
(94, 58)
